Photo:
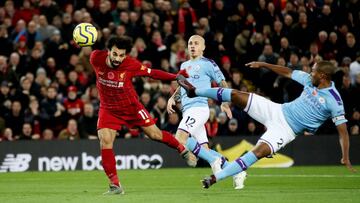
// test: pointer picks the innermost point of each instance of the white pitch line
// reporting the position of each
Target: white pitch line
(303, 176)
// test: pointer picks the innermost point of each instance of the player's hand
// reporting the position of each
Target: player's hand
(226, 108)
(184, 73)
(254, 64)
(348, 165)
(170, 104)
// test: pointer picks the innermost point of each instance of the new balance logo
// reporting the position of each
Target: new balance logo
(15, 163)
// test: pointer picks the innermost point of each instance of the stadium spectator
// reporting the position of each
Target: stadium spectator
(73, 105)
(172, 123)
(48, 134)
(223, 124)
(70, 132)
(15, 117)
(355, 123)
(7, 135)
(27, 133)
(5, 97)
(233, 127)
(49, 9)
(26, 12)
(253, 128)
(355, 68)
(6, 44)
(212, 124)
(159, 112)
(53, 115)
(45, 30)
(32, 114)
(87, 123)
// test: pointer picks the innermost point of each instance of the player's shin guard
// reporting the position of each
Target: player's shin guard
(109, 165)
(171, 141)
(219, 94)
(240, 164)
(199, 151)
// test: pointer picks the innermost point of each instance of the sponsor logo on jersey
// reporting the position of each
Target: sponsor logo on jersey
(195, 76)
(15, 163)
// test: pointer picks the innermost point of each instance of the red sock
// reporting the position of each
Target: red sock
(171, 141)
(109, 165)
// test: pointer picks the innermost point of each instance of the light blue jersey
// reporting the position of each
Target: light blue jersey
(202, 72)
(314, 106)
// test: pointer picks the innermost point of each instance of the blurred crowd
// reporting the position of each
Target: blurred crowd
(48, 86)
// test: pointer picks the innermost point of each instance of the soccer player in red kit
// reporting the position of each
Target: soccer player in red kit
(119, 103)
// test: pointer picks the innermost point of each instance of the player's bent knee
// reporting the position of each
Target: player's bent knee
(106, 137)
(239, 98)
(262, 150)
(181, 136)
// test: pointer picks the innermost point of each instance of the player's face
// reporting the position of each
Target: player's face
(196, 46)
(116, 56)
(316, 76)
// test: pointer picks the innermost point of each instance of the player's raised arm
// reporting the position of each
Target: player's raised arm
(225, 107)
(172, 101)
(159, 74)
(345, 145)
(281, 70)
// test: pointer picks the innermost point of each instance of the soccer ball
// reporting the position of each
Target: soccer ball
(85, 34)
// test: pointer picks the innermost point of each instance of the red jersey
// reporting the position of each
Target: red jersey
(115, 84)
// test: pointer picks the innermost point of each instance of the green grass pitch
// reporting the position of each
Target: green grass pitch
(295, 184)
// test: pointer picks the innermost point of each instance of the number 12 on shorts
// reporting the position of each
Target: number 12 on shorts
(190, 121)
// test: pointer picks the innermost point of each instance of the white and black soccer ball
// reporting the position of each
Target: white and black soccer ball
(85, 34)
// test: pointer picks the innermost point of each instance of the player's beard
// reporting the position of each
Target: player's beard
(315, 82)
(114, 63)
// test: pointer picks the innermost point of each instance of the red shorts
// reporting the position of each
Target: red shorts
(138, 116)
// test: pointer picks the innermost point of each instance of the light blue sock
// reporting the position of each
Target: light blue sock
(199, 151)
(217, 154)
(235, 167)
(219, 94)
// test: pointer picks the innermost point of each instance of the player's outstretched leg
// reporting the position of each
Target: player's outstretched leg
(167, 138)
(235, 167)
(220, 94)
(238, 179)
(205, 154)
(171, 141)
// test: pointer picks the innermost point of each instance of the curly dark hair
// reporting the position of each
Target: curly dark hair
(121, 43)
